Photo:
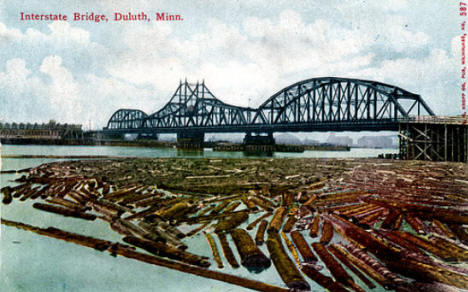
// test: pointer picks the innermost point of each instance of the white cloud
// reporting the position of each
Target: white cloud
(60, 32)
(432, 77)
(64, 91)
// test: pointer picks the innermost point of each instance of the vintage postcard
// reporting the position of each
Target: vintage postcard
(233, 145)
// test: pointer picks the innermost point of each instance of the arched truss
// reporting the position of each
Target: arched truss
(327, 100)
(332, 99)
(127, 119)
(195, 105)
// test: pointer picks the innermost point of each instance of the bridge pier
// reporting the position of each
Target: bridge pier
(259, 139)
(152, 136)
(259, 143)
(434, 139)
(190, 140)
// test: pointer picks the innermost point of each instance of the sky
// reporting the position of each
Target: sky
(245, 51)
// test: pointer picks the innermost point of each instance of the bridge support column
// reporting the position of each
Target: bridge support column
(434, 141)
(190, 140)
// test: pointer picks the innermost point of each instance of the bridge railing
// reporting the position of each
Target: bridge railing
(434, 120)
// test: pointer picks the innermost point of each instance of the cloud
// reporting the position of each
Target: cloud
(431, 76)
(60, 32)
(81, 71)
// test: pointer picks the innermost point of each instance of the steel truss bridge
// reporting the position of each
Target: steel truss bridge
(317, 104)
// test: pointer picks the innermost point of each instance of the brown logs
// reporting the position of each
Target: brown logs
(283, 264)
(251, 256)
(303, 247)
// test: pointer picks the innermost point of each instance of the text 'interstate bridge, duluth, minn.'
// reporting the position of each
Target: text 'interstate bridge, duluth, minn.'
(312, 105)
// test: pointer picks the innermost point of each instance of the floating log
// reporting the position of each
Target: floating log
(373, 244)
(155, 220)
(154, 199)
(303, 247)
(291, 248)
(389, 221)
(338, 253)
(87, 241)
(254, 223)
(164, 250)
(208, 218)
(311, 200)
(425, 272)
(135, 230)
(288, 226)
(277, 219)
(6, 192)
(214, 250)
(415, 224)
(460, 253)
(30, 193)
(146, 212)
(314, 228)
(64, 211)
(427, 245)
(203, 272)
(220, 207)
(19, 190)
(115, 206)
(283, 264)
(461, 234)
(394, 279)
(231, 222)
(322, 280)
(228, 254)
(398, 221)
(334, 267)
(249, 204)
(251, 256)
(206, 210)
(119, 194)
(327, 232)
(176, 210)
(287, 199)
(260, 236)
(75, 196)
(370, 271)
(264, 204)
(133, 199)
(348, 211)
(105, 189)
(392, 237)
(444, 230)
(231, 207)
(67, 203)
(154, 231)
(196, 230)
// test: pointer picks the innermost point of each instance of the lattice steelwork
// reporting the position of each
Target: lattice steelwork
(333, 99)
(318, 104)
(127, 119)
(193, 105)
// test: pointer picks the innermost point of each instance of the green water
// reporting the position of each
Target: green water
(31, 262)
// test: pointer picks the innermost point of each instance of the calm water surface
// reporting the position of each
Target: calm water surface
(31, 262)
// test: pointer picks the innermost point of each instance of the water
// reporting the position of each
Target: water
(31, 262)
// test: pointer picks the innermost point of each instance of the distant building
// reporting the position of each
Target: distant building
(339, 140)
(375, 142)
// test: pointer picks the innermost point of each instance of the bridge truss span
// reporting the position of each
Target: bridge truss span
(331, 99)
(317, 104)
